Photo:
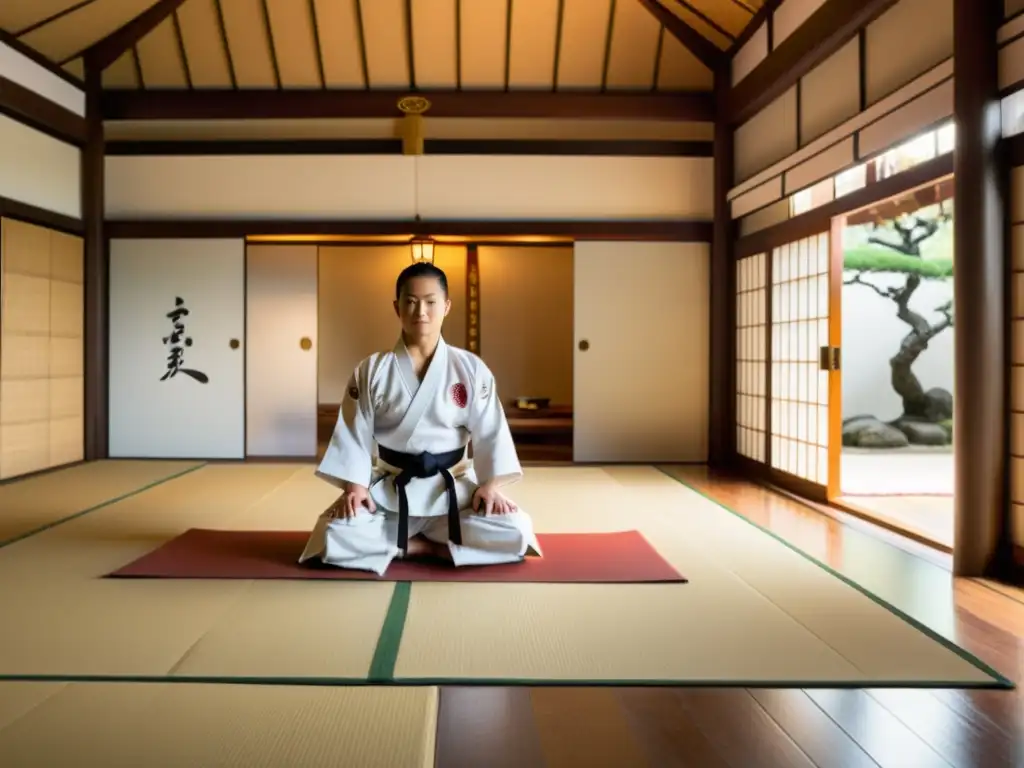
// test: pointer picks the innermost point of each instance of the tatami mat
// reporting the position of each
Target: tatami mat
(754, 612)
(72, 621)
(178, 724)
(32, 503)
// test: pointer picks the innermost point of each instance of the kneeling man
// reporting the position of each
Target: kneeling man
(419, 405)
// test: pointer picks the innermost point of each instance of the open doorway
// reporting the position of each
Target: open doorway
(526, 338)
(898, 366)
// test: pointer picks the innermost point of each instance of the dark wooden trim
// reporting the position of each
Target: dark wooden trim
(612, 147)
(768, 475)
(862, 69)
(764, 14)
(317, 45)
(105, 52)
(822, 34)
(710, 55)
(473, 341)
(51, 18)
(268, 31)
(819, 219)
(37, 58)
(273, 104)
(1014, 150)
(179, 42)
(668, 230)
(722, 382)
(326, 242)
(31, 214)
(28, 107)
(606, 57)
(97, 269)
(508, 44)
(559, 23)
(982, 541)
(223, 30)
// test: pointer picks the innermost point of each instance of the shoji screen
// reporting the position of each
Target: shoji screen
(752, 357)
(41, 346)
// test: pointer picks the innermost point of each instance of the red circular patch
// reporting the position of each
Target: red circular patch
(459, 395)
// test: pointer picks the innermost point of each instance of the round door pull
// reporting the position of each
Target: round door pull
(584, 345)
(234, 344)
(306, 343)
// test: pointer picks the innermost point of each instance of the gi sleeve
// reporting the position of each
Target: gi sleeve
(349, 456)
(494, 454)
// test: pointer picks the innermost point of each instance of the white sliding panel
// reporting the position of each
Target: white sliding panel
(281, 358)
(177, 358)
(640, 386)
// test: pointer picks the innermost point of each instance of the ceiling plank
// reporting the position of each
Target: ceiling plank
(696, 43)
(271, 104)
(105, 52)
(826, 31)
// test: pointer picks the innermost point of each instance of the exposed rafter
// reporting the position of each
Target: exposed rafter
(105, 52)
(270, 104)
(696, 43)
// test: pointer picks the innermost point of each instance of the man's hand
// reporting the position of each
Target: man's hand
(354, 498)
(489, 501)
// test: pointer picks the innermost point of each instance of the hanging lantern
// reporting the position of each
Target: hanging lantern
(422, 250)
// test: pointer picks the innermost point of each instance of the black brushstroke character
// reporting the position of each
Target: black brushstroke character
(177, 342)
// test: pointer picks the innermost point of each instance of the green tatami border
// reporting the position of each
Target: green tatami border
(547, 682)
(1001, 681)
(101, 505)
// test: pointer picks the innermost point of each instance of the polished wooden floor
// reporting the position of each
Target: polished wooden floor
(758, 728)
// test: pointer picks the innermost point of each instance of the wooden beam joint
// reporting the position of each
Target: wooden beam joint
(105, 52)
(830, 27)
(707, 52)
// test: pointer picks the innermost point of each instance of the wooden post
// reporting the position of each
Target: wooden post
(981, 543)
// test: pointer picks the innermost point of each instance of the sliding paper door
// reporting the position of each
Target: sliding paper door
(281, 358)
(804, 360)
(177, 357)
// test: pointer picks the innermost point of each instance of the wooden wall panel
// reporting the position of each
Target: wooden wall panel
(41, 346)
(39, 170)
(790, 15)
(908, 39)
(360, 187)
(830, 93)
(750, 54)
(22, 70)
(767, 137)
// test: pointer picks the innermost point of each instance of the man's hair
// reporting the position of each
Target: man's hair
(420, 269)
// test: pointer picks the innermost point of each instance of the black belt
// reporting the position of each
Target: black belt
(424, 465)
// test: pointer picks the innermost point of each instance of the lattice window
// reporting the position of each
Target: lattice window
(751, 357)
(799, 389)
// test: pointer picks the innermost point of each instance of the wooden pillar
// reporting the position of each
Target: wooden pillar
(722, 402)
(96, 360)
(979, 288)
(472, 299)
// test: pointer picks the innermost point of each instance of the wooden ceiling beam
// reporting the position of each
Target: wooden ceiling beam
(105, 52)
(830, 27)
(291, 104)
(708, 53)
(763, 14)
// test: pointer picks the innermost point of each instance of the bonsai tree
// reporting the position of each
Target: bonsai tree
(894, 246)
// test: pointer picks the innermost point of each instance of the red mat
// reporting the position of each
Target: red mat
(603, 558)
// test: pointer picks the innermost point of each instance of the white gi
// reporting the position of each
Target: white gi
(386, 404)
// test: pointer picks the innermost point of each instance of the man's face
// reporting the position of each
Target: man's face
(422, 307)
